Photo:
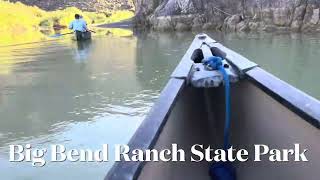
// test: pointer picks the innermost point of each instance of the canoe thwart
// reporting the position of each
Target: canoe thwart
(202, 77)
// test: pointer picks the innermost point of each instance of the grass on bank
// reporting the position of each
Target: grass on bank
(21, 23)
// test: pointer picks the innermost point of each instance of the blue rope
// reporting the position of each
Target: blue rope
(226, 134)
(215, 63)
(223, 170)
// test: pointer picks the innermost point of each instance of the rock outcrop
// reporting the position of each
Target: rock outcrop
(229, 15)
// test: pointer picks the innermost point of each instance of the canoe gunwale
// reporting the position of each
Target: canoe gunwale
(148, 132)
(305, 106)
(297, 101)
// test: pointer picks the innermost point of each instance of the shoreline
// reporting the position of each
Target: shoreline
(128, 26)
(234, 23)
(177, 23)
(125, 24)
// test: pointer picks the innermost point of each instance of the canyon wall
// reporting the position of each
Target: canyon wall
(229, 15)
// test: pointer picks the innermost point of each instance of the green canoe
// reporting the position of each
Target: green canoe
(82, 36)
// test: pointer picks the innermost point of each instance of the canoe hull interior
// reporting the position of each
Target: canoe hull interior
(264, 110)
(198, 118)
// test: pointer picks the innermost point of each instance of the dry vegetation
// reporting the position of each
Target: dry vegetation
(21, 23)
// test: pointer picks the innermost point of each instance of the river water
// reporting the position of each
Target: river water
(83, 95)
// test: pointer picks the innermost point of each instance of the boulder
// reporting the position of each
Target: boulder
(209, 25)
(308, 14)
(311, 19)
(231, 22)
(186, 6)
(282, 16)
(282, 28)
(256, 18)
(267, 16)
(235, 19)
(298, 18)
(299, 13)
(182, 27)
(269, 28)
(196, 27)
(163, 23)
(296, 25)
(174, 7)
(198, 22)
(186, 19)
(242, 26)
(315, 16)
(253, 25)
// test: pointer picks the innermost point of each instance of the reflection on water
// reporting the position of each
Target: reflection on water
(82, 51)
(87, 94)
(51, 98)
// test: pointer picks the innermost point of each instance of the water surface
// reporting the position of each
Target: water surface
(294, 58)
(83, 95)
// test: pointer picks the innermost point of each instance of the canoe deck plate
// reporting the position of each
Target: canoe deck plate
(203, 77)
(191, 68)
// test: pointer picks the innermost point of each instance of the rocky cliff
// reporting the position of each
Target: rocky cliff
(230, 15)
(85, 5)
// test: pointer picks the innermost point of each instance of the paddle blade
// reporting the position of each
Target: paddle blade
(59, 35)
(222, 171)
(55, 35)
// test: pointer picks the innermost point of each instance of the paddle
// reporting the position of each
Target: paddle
(58, 35)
